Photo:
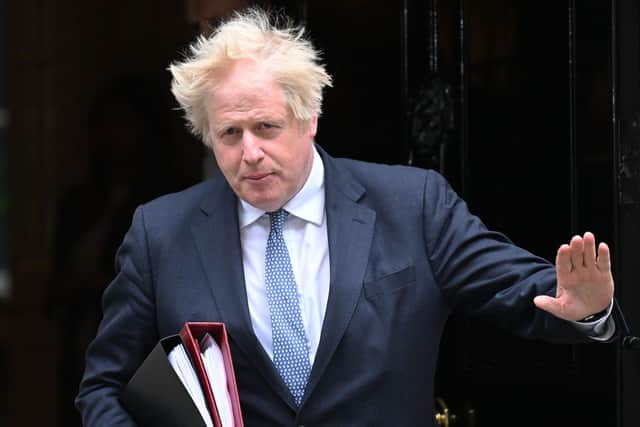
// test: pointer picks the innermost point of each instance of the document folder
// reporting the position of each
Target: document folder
(155, 395)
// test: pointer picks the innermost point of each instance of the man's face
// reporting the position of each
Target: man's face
(261, 149)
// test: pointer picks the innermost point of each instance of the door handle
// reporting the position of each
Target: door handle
(443, 417)
(446, 418)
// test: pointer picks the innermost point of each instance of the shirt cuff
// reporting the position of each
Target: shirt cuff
(601, 329)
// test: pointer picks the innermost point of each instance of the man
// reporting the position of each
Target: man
(334, 277)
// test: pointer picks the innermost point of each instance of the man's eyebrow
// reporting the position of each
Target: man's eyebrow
(274, 118)
(270, 118)
(221, 125)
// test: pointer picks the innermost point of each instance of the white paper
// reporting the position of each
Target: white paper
(214, 365)
(181, 363)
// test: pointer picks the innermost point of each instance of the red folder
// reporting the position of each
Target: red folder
(191, 334)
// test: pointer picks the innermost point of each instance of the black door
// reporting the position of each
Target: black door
(626, 143)
(530, 109)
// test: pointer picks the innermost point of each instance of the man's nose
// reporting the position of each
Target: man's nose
(251, 149)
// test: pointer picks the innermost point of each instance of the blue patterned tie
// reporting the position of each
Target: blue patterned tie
(290, 350)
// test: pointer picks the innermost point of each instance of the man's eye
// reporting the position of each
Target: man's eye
(229, 135)
(266, 125)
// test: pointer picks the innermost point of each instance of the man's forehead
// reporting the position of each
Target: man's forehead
(226, 114)
(248, 92)
(245, 98)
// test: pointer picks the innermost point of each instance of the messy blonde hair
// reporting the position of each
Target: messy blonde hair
(284, 52)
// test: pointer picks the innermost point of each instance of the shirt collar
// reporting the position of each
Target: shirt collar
(307, 204)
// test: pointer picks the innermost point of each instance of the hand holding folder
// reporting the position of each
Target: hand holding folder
(157, 396)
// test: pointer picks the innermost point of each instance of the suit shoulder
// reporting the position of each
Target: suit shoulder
(178, 206)
(187, 196)
(391, 176)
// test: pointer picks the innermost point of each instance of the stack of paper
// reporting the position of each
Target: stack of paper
(179, 359)
(214, 365)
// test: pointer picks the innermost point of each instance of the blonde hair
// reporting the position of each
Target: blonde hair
(284, 52)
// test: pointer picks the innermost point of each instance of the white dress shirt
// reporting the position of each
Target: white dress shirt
(305, 233)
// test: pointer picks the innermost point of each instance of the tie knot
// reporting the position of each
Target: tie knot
(277, 219)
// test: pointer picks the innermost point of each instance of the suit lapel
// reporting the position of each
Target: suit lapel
(217, 238)
(350, 227)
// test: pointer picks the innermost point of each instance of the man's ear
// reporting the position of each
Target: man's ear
(208, 140)
(313, 127)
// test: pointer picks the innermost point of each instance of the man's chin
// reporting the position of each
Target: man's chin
(265, 204)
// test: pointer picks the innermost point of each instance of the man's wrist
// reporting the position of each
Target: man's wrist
(594, 317)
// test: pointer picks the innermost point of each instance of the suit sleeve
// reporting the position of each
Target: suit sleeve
(483, 273)
(126, 334)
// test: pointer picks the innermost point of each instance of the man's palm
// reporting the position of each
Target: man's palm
(585, 283)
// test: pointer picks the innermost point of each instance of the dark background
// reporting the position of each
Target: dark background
(530, 109)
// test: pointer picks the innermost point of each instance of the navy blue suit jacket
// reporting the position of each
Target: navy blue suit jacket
(404, 251)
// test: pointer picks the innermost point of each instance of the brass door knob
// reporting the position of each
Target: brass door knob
(445, 418)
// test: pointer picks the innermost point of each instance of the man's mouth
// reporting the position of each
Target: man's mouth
(257, 176)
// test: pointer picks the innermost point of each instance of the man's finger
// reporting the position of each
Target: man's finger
(563, 259)
(604, 257)
(548, 304)
(589, 242)
(577, 248)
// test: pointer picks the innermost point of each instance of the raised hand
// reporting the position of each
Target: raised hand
(585, 283)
